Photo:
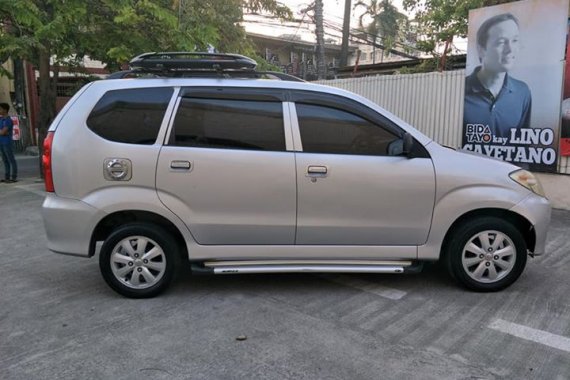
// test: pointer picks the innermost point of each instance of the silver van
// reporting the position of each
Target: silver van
(200, 158)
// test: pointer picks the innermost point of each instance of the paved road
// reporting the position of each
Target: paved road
(28, 166)
(58, 319)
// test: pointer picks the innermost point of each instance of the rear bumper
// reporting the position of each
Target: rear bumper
(69, 224)
(537, 211)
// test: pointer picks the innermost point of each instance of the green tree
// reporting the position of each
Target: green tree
(218, 23)
(440, 21)
(47, 32)
(118, 30)
(50, 32)
(386, 22)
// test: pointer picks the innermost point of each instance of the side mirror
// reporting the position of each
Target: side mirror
(408, 144)
(402, 147)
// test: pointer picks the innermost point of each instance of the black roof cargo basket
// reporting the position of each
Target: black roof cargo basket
(196, 64)
(181, 61)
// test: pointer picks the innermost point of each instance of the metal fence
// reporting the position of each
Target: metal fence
(431, 102)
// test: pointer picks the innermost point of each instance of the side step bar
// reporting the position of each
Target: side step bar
(250, 267)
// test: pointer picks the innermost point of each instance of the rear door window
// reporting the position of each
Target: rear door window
(229, 124)
(131, 116)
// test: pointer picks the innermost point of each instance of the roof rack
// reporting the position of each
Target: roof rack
(181, 61)
(196, 64)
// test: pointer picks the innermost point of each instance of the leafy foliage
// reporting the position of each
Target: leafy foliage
(216, 23)
(442, 20)
(387, 22)
(113, 31)
(273, 7)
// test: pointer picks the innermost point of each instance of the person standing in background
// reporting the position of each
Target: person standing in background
(6, 149)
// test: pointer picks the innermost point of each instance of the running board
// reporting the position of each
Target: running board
(288, 266)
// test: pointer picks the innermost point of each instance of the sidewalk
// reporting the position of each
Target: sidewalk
(557, 189)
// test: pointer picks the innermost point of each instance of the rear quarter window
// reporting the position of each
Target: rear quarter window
(131, 116)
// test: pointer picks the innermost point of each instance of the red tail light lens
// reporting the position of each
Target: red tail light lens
(46, 163)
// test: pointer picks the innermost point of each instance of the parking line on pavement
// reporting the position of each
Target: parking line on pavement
(528, 333)
(367, 286)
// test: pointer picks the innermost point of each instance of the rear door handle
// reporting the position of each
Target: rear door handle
(317, 171)
(180, 165)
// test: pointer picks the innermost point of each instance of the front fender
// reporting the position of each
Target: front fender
(451, 206)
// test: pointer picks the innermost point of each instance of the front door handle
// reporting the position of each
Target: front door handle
(180, 165)
(317, 171)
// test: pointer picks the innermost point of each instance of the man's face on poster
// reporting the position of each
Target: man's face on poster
(501, 49)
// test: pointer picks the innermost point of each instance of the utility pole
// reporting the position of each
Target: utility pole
(320, 32)
(345, 33)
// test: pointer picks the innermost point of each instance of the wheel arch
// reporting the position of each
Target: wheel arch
(519, 221)
(110, 222)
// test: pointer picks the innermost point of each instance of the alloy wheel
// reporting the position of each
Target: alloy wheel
(138, 262)
(488, 256)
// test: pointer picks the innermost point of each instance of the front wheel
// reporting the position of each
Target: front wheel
(486, 254)
(139, 260)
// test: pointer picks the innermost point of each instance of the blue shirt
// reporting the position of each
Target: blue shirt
(6, 122)
(510, 109)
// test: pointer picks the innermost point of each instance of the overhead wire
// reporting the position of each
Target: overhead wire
(354, 34)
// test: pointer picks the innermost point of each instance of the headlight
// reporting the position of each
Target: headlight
(528, 180)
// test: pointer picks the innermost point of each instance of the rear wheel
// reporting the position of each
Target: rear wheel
(139, 260)
(486, 254)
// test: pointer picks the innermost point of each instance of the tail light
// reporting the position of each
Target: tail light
(46, 163)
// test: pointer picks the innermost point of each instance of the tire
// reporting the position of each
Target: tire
(486, 254)
(139, 260)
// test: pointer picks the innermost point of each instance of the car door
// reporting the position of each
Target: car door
(226, 171)
(352, 190)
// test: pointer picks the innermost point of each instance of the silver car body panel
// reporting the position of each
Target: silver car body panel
(74, 222)
(466, 183)
(77, 219)
(364, 200)
(78, 169)
(231, 196)
(538, 212)
(199, 252)
(264, 224)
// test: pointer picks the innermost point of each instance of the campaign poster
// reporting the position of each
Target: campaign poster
(513, 83)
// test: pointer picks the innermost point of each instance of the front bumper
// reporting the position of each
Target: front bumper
(69, 224)
(537, 211)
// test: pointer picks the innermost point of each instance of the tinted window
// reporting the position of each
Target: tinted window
(231, 124)
(330, 130)
(130, 116)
